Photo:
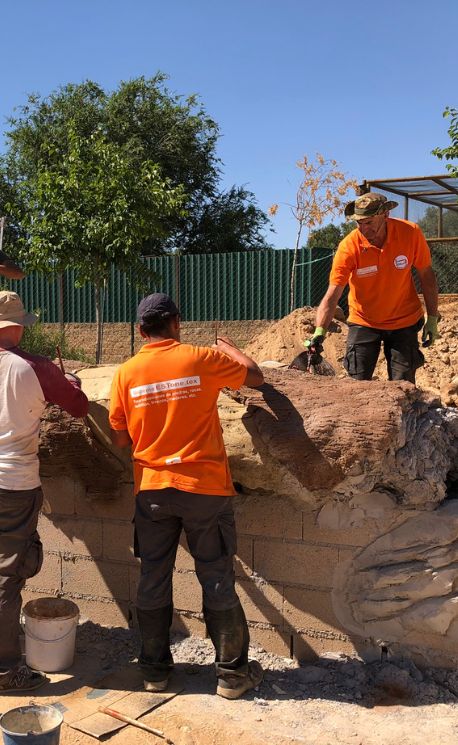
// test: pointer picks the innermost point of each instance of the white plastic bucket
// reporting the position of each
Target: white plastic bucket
(50, 633)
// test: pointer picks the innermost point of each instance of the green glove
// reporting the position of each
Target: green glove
(317, 340)
(430, 332)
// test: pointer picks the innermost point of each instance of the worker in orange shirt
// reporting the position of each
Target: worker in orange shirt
(164, 406)
(376, 260)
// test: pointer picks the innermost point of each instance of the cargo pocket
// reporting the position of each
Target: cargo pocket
(31, 559)
(227, 533)
(349, 361)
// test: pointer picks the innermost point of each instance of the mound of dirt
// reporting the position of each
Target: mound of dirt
(283, 340)
(440, 372)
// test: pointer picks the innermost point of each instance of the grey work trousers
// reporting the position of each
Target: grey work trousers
(21, 557)
(208, 522)
(209, 525)
(401, 348)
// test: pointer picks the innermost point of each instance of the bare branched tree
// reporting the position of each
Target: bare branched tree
(321, 193)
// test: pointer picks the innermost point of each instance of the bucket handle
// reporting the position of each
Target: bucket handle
(48, 641)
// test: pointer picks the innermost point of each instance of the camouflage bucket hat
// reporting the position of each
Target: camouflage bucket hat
(368, 205)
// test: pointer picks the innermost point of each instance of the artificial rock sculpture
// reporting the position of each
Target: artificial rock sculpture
(375, 455)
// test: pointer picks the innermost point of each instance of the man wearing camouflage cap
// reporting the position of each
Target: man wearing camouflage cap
(376, 260)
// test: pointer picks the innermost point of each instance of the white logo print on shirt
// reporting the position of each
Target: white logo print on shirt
(401, 261)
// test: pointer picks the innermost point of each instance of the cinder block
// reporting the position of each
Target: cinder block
(118, 541)
(71, 535)
(271, 640)
(60, 494)
(189, 625)
(120, 507)
(261, 603)
(134, 576)
(310, 609)
(105, 613)
(263, 515)
(101, 579)
(295, 562)
(346, 553)
(244, 558)
(29, 593)
(49, 578)
(187, 592)
(312, 533)
(307, 648)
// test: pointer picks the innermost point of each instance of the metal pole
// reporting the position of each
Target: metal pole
(177, 280)
(440, 223)
(406, 208)
(61, 308)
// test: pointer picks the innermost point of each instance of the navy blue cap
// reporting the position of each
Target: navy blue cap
(156, 307)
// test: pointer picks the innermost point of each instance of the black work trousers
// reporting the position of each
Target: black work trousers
(400, 346)
(209, 525)
(21, 557)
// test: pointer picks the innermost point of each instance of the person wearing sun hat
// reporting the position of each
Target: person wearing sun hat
(27, 384)
(376, 261)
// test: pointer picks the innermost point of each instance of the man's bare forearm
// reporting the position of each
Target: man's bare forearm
(327, 307)
(430, 291)
(254, 374)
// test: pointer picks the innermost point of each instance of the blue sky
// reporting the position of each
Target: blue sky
(364, 83)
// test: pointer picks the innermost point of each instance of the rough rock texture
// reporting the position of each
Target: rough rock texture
(340, 440)
(402, 588)
(380, 457)
(82, 447)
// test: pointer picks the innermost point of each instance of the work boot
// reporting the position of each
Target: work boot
(21, 678)
(228, 631)
(155, 658)
(235, 685)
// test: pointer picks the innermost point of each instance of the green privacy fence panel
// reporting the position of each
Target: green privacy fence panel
(234, 286)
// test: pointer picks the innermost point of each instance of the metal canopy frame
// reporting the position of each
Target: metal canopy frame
(437, 191)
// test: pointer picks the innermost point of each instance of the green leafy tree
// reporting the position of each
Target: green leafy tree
(89, 209)
(451, 151)
(229, 222)
(149, 124)
(429, 222)
(329, 236)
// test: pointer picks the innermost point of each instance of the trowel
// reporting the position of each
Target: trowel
(311, 361)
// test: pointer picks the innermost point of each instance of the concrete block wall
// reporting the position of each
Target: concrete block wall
(284, 568)
(117, 339)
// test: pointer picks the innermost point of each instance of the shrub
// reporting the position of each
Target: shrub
(38, 340)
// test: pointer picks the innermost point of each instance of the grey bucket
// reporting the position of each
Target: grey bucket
(31, 725)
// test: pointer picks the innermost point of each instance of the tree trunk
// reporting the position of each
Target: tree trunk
(292, 293)
(100, 293)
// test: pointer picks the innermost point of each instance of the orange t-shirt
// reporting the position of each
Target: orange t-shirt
(382, 292)
(166, 398)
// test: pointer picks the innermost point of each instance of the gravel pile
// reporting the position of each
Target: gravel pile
(331, 677)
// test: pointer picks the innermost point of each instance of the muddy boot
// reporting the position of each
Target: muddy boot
(155, 658)
(228, 631)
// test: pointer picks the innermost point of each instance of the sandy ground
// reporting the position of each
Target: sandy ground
(336, 700)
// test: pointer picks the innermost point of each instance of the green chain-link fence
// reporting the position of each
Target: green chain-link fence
(206, 287)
